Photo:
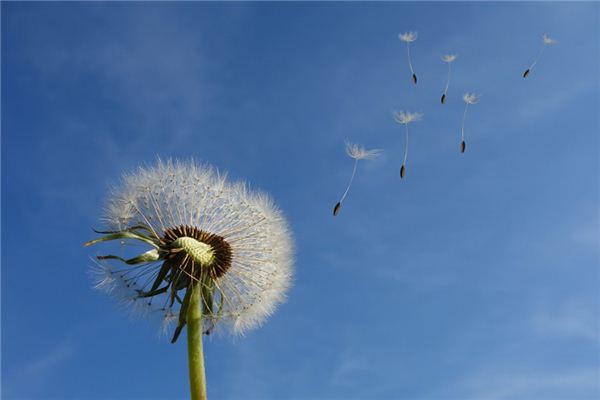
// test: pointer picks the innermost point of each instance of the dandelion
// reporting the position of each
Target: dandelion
(546, 41)
(406, 118)
(448, 59)
(217, 255)
(468, 98)
(357, 153)
(408, 38)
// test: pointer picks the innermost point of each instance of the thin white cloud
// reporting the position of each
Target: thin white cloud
(51, 360)
(586, 234)
(569, 384)
(574, 319)
(28, 380)
(553, 101)
(351, 367)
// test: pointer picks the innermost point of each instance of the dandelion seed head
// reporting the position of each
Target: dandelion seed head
(177, 204)
(471, 98)
(448, 58)
(360, 153)
(408, 37)
(548, 40)
(404, 117)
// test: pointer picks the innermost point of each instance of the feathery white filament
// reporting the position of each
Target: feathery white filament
(462, 134)
(360, 153)
(448, 79)
(468, 98)
(350, 182)
(546, 41)
(471, 98)
(404, 117)
(408, 37)
(405, 146)
(409, 60)
(535, 61)
(174, 194)
(357, 153)
(448, 59)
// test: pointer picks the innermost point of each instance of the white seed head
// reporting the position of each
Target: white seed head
(408, 37)
(360, 153)
(449, 58)
(404, 117)
(548, 40)
(175, 194)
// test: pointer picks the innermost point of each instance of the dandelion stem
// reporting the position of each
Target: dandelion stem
(350, 182)
(194, 338)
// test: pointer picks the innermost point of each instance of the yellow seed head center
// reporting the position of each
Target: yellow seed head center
(201, 253)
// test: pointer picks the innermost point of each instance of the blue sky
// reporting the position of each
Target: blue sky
(475, 277)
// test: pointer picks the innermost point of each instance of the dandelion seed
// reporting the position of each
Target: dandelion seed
(357, 153)
(448, 59)
(408, 38)
(546, 41)
(169, 319)
(217, 254)
(468, 98)
(406, 118)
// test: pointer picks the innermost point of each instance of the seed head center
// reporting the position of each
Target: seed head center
(201, 253)
(194, 250)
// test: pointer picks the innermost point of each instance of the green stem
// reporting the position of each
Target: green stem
(194, 338)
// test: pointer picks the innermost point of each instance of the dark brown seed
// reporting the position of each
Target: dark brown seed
(415, 79)
(525, 74)
(463, 146)
(443, 98)
(336, 209)
(402, 171)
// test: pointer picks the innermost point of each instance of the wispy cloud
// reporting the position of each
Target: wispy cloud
(351, 367)
(54, 358)
(569, 384)
(553, 101)
(574, 319)
(28, 379)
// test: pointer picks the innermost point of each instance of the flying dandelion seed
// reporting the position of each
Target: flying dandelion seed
(468, 98)
(406, 118)
(218, 254)
(408, 38)
(546, 41)
(448, 59)
(357, 153)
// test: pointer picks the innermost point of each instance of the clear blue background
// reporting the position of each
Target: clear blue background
(477, 276)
